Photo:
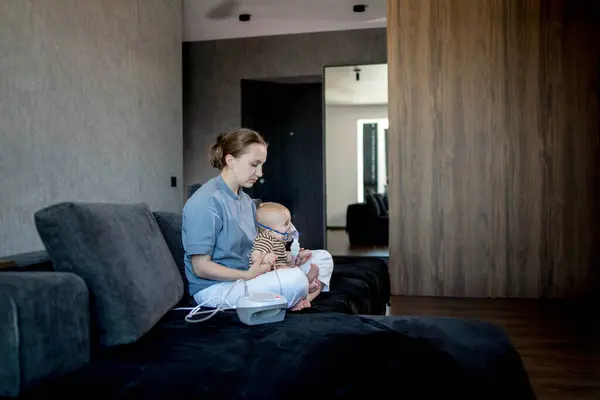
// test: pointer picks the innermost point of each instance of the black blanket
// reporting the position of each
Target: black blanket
(322, 355)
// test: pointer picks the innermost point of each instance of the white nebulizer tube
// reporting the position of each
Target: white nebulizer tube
(295, 250)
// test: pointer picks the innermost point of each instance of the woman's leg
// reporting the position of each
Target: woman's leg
(324, 261)
(294, 287)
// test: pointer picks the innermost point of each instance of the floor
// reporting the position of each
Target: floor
(559, 343)
(338, 245)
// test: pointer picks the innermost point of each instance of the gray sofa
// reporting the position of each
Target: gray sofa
(103, 324)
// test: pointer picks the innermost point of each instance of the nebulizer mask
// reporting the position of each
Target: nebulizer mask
(289, 236)
(256, 308)
(292, 235)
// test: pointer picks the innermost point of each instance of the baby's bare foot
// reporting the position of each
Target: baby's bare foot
(313, 273)
(301, 305)
(314, 286)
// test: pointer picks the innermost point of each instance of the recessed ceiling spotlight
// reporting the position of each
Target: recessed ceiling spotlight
(358, 8)
(244, 17)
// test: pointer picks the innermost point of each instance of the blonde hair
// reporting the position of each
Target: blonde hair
(235, 143)
(265, 213)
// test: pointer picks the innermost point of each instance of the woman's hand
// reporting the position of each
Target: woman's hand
(259, 267)
(303, 256)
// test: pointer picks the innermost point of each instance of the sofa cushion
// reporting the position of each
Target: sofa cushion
(333, 355)
(170, 226)
(44, 328)
(359, 285)
(120, 253)
(383, 209)
(373, 204)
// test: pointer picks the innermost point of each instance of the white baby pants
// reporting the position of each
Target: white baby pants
(294, 284)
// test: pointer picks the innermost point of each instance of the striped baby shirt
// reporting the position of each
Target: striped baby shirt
(268, 244)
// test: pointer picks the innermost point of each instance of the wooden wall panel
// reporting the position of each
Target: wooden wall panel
(494, 147)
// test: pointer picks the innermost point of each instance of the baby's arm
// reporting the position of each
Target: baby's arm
(288, 260)
(254, 255)
(263, 245)
(269, 259)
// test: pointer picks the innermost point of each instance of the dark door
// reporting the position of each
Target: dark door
(289, 116)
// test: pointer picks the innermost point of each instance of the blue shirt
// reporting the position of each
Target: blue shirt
(219, 223)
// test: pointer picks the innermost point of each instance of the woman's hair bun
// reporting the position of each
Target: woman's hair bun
(217, 158)
(222, 137)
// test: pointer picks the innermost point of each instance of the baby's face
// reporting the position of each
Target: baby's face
(282, 224)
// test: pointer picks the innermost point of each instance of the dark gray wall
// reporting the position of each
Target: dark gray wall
(90, 107)
(213, 71)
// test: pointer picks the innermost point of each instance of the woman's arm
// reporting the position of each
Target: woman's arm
(205, 268)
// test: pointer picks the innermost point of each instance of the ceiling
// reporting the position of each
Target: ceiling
(218, 19)
(342, 88)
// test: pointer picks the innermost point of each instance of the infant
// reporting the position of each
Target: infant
(275, 230)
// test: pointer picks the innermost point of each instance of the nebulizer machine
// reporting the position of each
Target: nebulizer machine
(254, 308)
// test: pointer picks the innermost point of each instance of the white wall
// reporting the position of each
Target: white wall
(90, 108)
(341, 157)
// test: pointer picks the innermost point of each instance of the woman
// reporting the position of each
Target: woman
(219, 229)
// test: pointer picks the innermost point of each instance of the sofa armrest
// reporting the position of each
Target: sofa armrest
(44, 328)
(357, 215)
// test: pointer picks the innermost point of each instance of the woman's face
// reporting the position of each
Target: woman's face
(248, 167)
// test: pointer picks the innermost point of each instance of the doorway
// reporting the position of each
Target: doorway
(356, 124)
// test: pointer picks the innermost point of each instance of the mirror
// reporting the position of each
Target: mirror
(356, 167)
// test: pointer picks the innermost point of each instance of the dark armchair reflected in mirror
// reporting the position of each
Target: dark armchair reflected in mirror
(356, 137)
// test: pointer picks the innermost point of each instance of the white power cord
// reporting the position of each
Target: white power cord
(278, 280)
(197, 310)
